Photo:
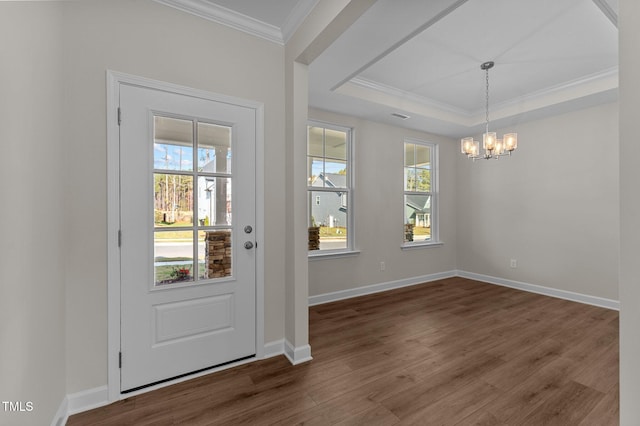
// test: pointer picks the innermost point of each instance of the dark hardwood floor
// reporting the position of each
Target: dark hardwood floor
(450, 352)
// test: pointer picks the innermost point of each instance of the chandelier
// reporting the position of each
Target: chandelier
(493, 147)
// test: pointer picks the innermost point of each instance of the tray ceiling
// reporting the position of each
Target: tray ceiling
(422, 59)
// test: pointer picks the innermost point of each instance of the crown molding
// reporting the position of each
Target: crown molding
(583, 86)
(608, 11)
(216, 13)
(409, 96)
(574, 89)
(296, 17)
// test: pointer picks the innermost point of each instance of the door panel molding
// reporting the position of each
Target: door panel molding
(113, 81)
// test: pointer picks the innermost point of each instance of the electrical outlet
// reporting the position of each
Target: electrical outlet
(382, 266)
(514, 263)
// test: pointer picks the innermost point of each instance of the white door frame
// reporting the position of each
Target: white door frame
(114, 80)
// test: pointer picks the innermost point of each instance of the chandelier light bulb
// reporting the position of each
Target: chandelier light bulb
(511, 141)
(466, 146)
(489, 141)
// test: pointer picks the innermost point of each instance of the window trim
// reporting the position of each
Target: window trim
(350, 250)
(435, 195)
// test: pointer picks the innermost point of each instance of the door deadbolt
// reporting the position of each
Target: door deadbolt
(248, 229)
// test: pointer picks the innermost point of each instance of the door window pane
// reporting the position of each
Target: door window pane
(176, 199)
(214, 148)
(172, 144)
(173, 257)
(215, 254)
(214, 201)
(172, 200)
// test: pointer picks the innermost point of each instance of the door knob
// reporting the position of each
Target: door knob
(248, 245)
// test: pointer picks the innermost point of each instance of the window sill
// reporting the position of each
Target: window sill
(421, 245)
(332, 254)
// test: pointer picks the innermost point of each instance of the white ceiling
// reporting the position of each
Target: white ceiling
(422, 59)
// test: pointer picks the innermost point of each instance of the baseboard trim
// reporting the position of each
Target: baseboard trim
(377, 288)
(274, 348)
(97, 397)
(87, 400)
(297, 355)
(546, 291)
(62, 415)
(532, 288)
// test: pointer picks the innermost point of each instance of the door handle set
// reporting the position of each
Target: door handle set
(247, 230)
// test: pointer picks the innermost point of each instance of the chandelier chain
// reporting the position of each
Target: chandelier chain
(487, 101)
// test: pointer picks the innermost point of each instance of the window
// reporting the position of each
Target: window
(192, 200)
(420, 194)
(329, 188)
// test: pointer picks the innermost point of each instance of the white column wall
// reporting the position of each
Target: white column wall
(629, 26)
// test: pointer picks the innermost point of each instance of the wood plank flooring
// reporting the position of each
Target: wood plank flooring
(450, 352)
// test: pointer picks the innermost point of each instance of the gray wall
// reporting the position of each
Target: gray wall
(54, 310)
(32, 218)
(553, 206)
(379, 207)
(151, 40)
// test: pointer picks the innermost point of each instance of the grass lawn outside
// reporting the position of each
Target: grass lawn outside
(419, 230)
(339, 231)
(164, 272)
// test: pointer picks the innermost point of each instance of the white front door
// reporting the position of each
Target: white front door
(187, 217)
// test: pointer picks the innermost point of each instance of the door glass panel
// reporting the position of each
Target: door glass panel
(172, 200)
(214, 148)
(214, 201)
(175, 200)
(173, 257)
(214, 253)
(172, 144)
